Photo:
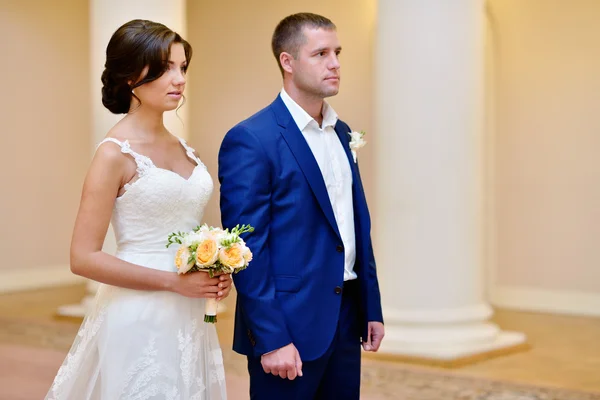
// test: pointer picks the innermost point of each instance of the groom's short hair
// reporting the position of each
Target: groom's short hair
(288, 35)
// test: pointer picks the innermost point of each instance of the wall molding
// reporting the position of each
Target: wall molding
(37, 277)
(545, 300)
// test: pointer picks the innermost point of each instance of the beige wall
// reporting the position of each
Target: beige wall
(234, 74)
(44, 138)
(544, 173)
(542, 193)
(547, 142)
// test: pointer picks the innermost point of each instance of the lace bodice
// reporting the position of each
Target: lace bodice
(158, 202)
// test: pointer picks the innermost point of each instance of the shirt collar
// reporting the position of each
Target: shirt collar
(302, 118)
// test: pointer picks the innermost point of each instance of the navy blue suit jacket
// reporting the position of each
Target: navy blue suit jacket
(271, 180)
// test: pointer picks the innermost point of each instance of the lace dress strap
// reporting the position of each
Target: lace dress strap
(142, 162)
(191, 153)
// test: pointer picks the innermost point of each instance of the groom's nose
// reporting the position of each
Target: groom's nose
(334, 62)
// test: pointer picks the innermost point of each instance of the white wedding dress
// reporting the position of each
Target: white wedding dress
(147, 345)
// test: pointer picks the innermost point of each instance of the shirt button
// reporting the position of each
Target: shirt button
(339, 248)
(338, 290)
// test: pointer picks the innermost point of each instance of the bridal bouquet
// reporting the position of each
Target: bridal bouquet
(211, 250)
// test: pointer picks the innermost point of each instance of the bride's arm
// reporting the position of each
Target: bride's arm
(101, 187)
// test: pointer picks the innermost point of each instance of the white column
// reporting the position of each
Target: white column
(429, 178)
(106, 16)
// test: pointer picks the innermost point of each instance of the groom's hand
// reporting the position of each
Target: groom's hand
(376, 334)
(284, 362)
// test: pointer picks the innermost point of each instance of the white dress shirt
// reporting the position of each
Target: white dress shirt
(335, 168)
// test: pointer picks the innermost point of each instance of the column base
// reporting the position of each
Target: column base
(449, 355)
(77, 311)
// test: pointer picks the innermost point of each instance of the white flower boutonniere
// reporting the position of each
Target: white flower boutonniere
(356, 142)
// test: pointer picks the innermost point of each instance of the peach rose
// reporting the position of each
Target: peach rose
(233, 256)
(207, 252)
(247, 255)
(181, 260)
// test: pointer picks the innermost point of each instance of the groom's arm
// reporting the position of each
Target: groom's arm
(374, 330)
(244, 173)
(373, 311)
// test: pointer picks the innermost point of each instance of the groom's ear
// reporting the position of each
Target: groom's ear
(286, 61)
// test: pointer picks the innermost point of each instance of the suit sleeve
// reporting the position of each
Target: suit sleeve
(373, 311)
(244, 174)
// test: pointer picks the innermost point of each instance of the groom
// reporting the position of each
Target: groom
(311, 293)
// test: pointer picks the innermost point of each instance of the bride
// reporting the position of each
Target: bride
(145, 337)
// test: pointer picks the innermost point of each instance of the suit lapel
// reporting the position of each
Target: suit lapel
(359, 200)
(358, 194)
(343, 136)
(305, 159)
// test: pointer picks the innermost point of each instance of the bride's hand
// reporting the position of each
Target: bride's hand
(224, 286)
(198, 284)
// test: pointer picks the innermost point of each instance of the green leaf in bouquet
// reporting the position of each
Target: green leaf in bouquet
(175, 237)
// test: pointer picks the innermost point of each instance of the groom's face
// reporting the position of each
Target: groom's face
(316, 69)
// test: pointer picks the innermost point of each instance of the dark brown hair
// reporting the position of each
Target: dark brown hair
(134, 46)
(288, 35)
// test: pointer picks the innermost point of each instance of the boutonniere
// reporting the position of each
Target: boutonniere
(356, 142)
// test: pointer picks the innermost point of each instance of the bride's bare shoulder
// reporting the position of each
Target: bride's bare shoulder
(114, 143)
(109, 154)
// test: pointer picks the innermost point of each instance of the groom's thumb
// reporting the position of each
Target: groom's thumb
(367, 344)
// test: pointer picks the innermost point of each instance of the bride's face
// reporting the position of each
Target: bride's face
(164, 93)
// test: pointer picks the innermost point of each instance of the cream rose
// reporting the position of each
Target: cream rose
(204, 228)
(207, 252)
(192, 238)
(233, 256)
(247, 255)
(181, 260)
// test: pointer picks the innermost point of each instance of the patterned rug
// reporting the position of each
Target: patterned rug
(380, 381)
(403, 382)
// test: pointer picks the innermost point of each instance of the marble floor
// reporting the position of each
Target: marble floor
(563, 361)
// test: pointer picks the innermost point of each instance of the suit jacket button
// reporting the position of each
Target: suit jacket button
(338, 290)
(340, 248)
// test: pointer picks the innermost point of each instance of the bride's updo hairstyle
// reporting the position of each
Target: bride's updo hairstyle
(133, 47)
